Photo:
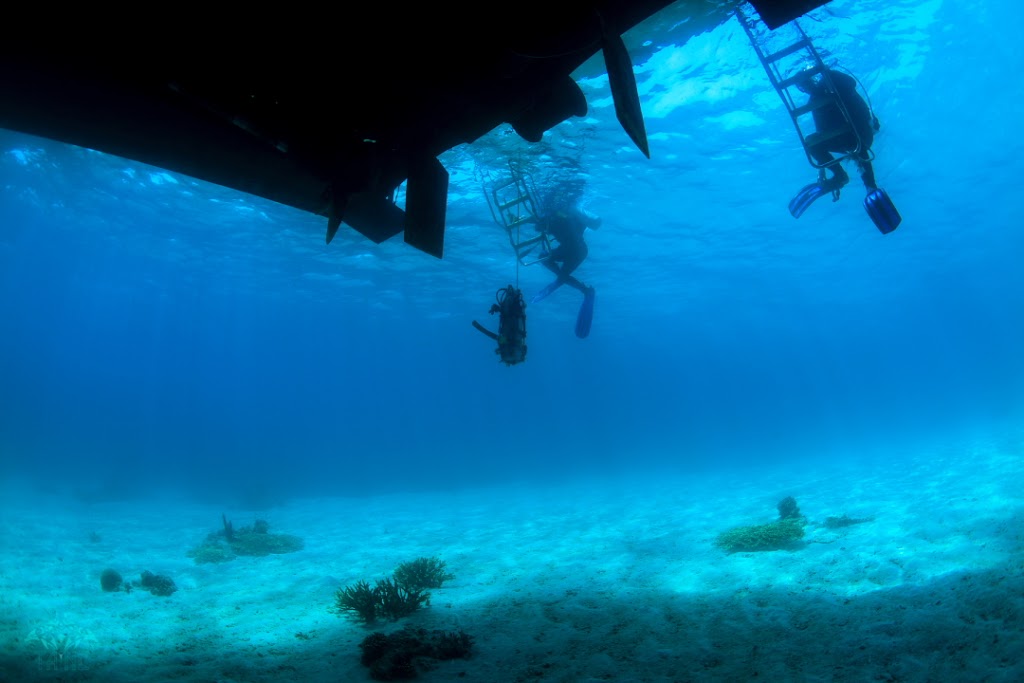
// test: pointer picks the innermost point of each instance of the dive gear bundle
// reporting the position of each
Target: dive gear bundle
(511, 336)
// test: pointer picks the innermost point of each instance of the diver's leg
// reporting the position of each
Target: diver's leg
(551, 263)
(867, 173)
(808, 194)
(577, 284)
(573, 258)
(823, 156)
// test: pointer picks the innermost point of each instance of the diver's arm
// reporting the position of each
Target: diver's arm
(590, 220)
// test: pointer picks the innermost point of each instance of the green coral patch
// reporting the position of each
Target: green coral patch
(249, 541)
(258, 545)
(211, 552)
(777, 535)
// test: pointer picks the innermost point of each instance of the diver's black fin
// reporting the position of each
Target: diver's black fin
(882, 211)
(586, 315)
(624, 93)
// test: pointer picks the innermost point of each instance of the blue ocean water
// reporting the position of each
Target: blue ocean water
(156, 326)
(161, 332)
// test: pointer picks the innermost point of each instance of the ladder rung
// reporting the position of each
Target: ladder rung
(807, 73)
(513, 202)
(816, 103)
(529, 242)
(516, 222)
(787, 51)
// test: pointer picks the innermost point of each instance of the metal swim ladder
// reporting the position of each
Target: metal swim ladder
(788, 65)
(513, 205)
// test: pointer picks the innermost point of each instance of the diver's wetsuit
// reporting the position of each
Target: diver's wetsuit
(830, 118)
(565, 223)
(567, 226)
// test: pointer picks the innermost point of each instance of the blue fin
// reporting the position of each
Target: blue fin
(882, 211)
(544, 293)
(805, 197)
(586, 314)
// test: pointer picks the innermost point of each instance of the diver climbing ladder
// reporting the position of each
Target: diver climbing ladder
(789, 58)
(513, 206)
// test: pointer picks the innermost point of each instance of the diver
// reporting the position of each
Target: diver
(511, 336)
(562, 219)
(850, 133)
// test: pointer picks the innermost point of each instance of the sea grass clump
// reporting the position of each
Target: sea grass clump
(396, 597)
(422, 573)
(358, 599)
(386, 600)
(395, 601)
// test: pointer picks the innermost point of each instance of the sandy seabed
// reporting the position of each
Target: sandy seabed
(604, 580)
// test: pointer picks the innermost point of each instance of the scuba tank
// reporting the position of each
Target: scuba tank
(511, 335)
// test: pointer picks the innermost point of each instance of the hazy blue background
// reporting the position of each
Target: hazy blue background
(155, 329)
